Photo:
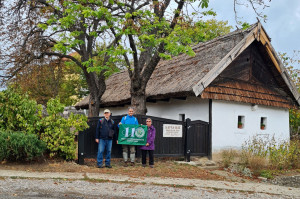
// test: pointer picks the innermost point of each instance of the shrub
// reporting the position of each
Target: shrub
(18, 112)
(57, 130)
(266, 174)
(18, 146)
(258, 153)
(228, 156)
(261, 154)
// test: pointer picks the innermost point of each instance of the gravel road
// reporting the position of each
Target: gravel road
(58, 188)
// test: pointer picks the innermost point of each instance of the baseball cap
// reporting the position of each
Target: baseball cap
(106, 111)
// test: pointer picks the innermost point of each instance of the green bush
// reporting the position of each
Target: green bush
(57, 130)
(18, 112)
(266, 174)
(18, 146)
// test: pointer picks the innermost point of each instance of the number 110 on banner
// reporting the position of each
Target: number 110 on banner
(133, 134)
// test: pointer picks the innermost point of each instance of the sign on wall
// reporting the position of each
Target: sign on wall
(172, 130)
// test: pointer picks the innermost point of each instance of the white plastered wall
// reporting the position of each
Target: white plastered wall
(193, 108)
(225, 131)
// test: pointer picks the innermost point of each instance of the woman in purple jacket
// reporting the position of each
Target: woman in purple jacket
(150, 144)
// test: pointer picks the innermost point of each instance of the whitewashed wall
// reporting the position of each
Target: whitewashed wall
(193, 108)
(225, 132)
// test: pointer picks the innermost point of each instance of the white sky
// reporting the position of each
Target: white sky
(282, 25)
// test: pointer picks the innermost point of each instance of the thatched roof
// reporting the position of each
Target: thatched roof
(184, 75)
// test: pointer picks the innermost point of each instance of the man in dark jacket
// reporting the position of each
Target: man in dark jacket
(106, 130)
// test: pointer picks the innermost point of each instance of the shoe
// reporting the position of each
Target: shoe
(143, 165)
(151, 166)
(108, 166)
(132, 164)
(125, 164)
(100, 166)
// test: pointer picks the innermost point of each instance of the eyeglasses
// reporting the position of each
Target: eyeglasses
(148, 121)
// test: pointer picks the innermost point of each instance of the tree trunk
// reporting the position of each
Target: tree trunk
(94, 106)
(138, 101)
(97, 87)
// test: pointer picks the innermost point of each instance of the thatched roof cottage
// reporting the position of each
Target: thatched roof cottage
(236, 82)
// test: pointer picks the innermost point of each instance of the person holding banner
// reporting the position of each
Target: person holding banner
(129, 119)
(149, 145)
(104, 136)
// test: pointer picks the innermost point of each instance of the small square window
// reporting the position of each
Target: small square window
(241, 122)
(263, 123)
(181, 117)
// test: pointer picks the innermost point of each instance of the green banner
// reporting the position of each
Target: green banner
(132, 134)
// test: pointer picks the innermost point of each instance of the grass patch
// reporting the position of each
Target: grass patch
(266, 174)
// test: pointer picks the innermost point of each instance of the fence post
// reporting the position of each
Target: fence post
(187, 147)
(81, 148)
(210, 131)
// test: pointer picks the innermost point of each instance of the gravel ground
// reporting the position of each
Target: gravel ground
(56, 188)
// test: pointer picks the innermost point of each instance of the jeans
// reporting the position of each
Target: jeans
(151, 157)
(104, 145)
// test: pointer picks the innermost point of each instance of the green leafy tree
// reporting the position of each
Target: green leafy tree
(290, 62)
(141, 32)
(56, 79)
(37, 30)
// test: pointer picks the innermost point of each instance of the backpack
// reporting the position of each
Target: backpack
(102, 120)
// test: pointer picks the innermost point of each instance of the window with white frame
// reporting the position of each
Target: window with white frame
(263, 123)
(241, 122)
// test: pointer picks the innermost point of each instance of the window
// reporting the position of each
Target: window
(263, 123)
(241, 122)
(181, 117)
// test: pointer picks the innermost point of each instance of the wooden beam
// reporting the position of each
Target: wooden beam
(151, 100)
(180, 98)
(264, 39)
(164, 100)
(221, 66)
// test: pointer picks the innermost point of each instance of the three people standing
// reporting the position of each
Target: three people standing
(106, 131)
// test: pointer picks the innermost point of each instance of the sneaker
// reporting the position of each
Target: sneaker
(151, 166)
(143, 165)
(100, 166)
(132, 164)
(108, 166)
(125, 164)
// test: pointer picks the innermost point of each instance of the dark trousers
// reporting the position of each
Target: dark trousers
(151, 158)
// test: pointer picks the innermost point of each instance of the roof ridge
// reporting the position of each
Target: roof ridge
(238, 31)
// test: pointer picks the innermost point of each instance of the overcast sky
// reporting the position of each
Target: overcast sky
(282, 25)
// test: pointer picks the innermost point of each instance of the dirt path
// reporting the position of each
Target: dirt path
(177, 183)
